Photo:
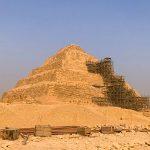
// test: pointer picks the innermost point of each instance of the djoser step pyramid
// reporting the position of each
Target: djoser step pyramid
(64, 77)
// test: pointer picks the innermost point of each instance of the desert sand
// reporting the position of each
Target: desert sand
(29, 115)
(97, 141)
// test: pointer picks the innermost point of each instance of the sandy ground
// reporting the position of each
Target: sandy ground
(97, 141)
(29, 115)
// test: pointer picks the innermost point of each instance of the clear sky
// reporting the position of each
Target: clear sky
(33, 30)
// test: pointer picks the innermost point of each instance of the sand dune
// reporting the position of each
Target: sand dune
(28, 115)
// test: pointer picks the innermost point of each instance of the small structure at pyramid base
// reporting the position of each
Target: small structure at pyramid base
(84, 131)
(10, 134)
(43, 130)
(107, 129)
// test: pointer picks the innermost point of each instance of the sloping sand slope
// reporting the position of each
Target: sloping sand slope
(28, 115)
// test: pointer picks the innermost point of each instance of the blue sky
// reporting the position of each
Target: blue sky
(33, 30)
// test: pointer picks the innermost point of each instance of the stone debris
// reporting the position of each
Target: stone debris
(99, 141)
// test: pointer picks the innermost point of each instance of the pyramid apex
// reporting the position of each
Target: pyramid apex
(71, 47)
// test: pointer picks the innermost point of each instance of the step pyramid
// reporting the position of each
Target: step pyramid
(64, 77)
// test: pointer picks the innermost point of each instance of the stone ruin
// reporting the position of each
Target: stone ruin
(73, 76)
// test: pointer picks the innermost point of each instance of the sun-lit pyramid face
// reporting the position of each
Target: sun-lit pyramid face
(64, 77)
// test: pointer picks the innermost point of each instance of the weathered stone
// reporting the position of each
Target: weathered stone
(65, 77)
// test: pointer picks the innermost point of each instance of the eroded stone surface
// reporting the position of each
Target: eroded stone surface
(64, 77)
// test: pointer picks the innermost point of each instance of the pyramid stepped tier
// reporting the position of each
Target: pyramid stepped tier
(61, 75)
(70, 92)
